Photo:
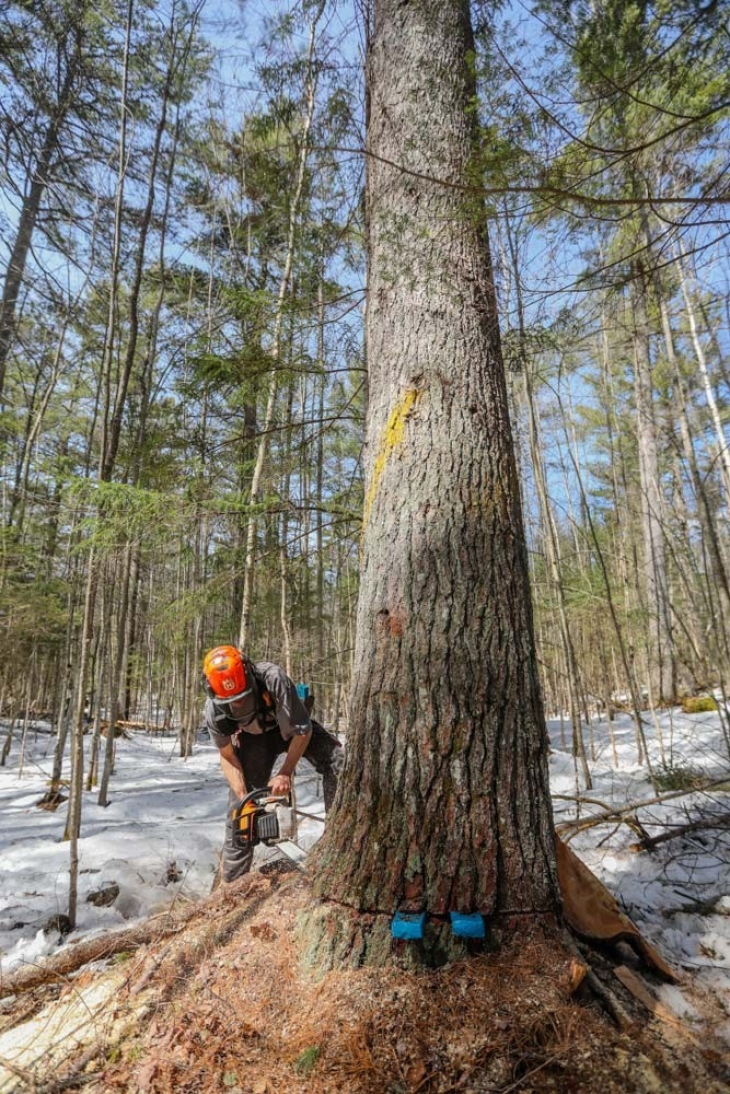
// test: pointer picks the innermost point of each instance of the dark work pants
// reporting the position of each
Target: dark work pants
(257, 753)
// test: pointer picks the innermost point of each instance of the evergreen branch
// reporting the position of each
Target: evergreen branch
(551, 190)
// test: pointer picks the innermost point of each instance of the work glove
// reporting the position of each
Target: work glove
(242, 821)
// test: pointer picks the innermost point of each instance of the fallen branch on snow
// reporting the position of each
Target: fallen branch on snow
(648, 843)
(570, 828)
(698, 907)
(75, 956)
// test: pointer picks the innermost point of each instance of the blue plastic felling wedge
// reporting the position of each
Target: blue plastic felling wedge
(467, 925)
(408, 925)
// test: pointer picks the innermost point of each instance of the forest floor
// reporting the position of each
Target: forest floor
(224, 1004)
(167, 987)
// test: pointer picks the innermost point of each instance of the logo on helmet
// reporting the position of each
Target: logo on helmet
(225, 673)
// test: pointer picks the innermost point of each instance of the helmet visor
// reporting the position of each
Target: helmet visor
(230, 699)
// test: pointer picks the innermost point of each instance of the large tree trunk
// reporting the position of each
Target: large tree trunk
(444, 804)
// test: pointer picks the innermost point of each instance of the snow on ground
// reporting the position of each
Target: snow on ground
(666, 890)
(159, 839)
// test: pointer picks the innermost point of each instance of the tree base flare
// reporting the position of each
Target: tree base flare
(335, 936)
(505, 1020)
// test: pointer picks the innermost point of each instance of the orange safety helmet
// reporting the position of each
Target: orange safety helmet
(225, 674)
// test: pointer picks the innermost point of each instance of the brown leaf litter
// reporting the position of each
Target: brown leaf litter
(225, 1006)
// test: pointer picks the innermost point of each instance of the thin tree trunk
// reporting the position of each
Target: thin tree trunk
(26, 717)
(718, 591)
(106, 463)
(284, 607)
(652, 508)
(64, 695)
(7, 743)
(552, 543)
(116, 674)
(723, 451)
(112, 430)
(96, 709)
(42, 176)
(319, 479)
(626, 655)
(257, 478)
(73, 821)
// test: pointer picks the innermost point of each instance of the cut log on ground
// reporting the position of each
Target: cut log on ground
(75, 956)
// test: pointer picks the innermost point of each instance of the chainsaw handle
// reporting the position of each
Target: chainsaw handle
(251, 796)
(263, 791)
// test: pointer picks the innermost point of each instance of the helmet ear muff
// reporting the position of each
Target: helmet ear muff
(206, 686)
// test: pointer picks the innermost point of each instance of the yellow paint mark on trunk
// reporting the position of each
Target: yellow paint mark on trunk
(391, 438)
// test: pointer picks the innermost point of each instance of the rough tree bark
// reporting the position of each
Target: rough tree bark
(444, 804)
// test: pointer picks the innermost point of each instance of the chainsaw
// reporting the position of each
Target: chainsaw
(262, 817)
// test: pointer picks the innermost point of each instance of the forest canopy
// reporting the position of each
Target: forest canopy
(182, 371)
